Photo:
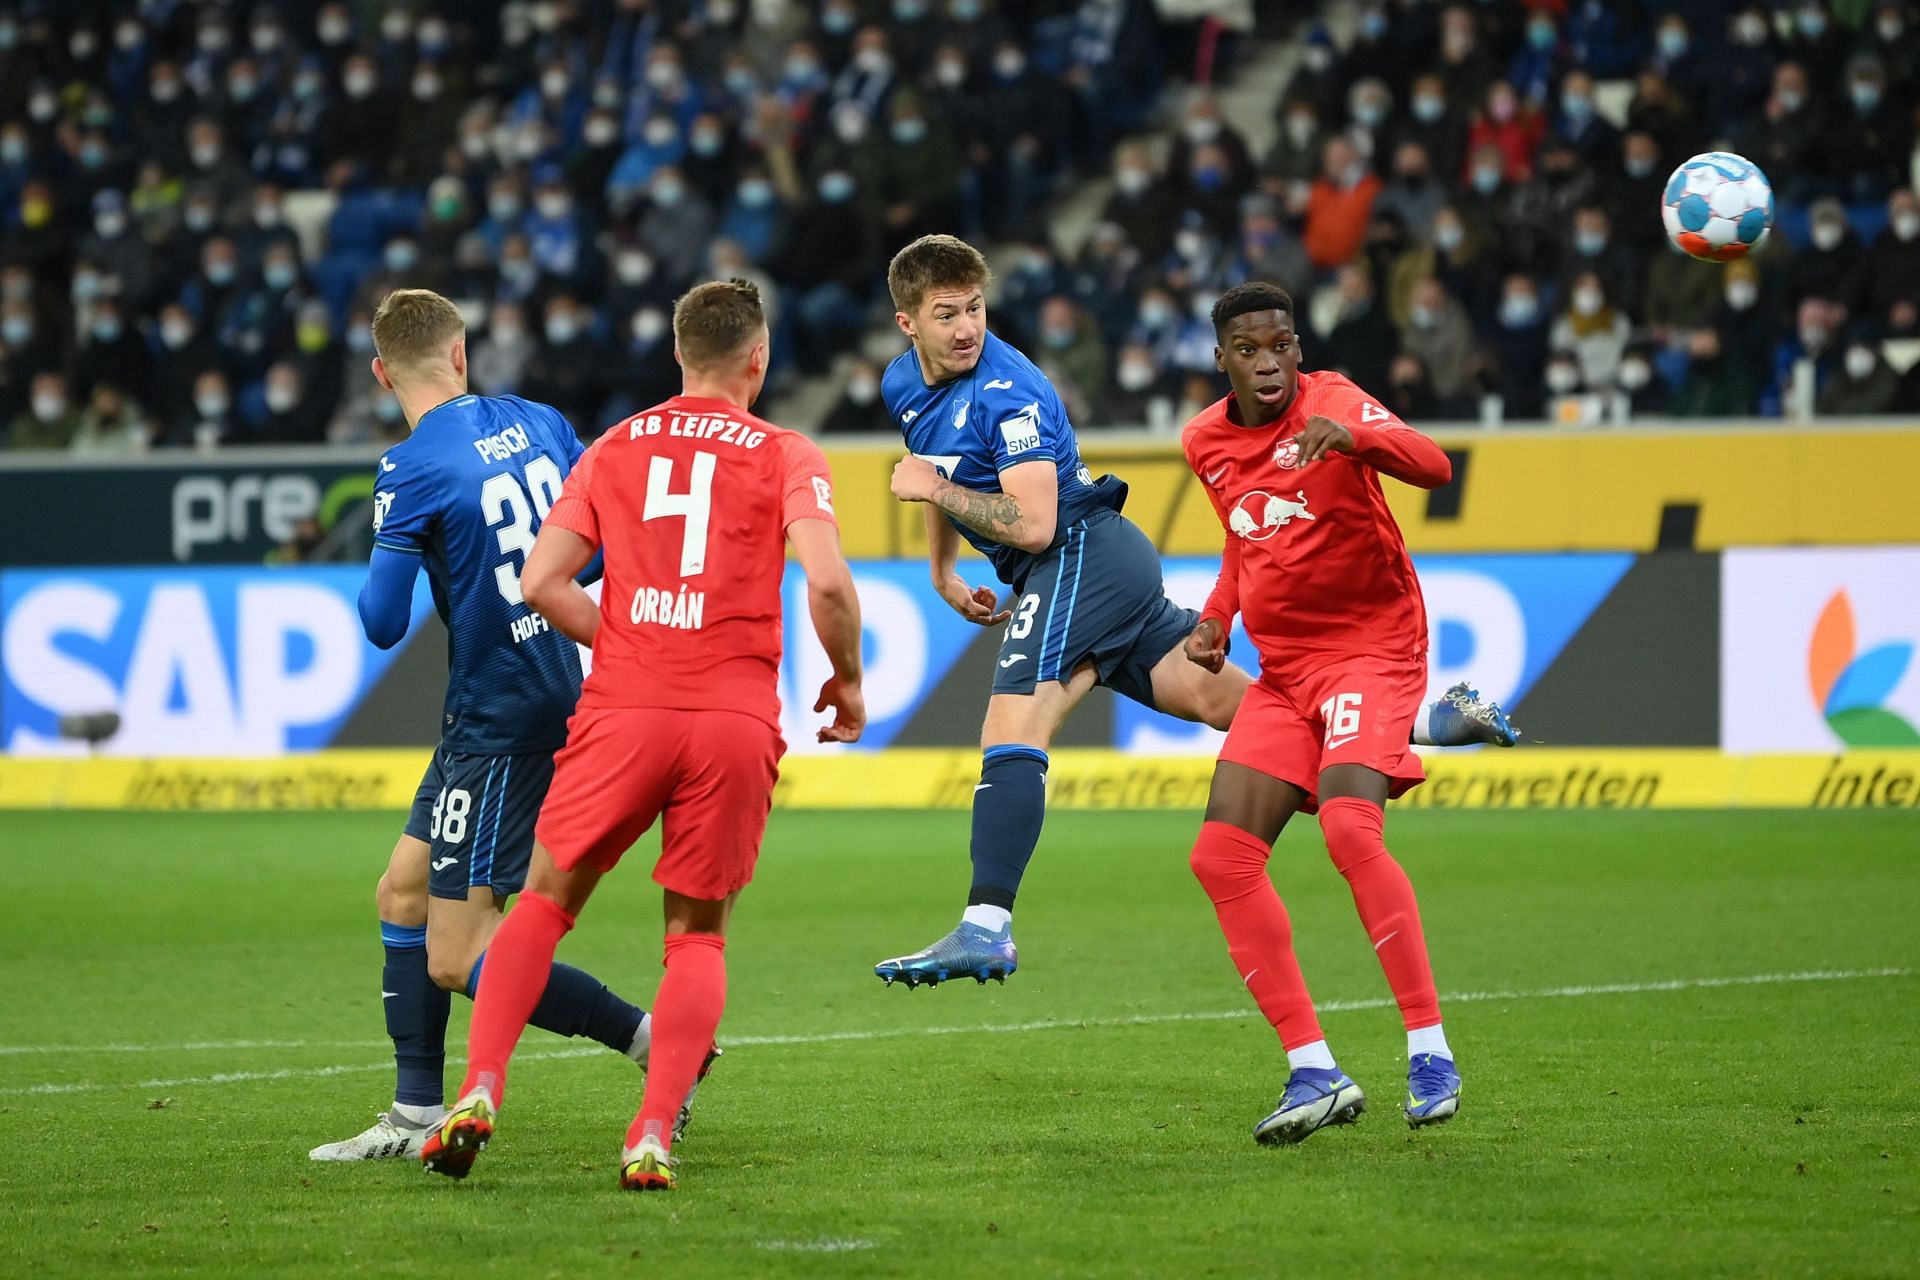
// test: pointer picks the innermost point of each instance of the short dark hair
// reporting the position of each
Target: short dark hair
(934, 262)
(1254, 295)
(712, 321)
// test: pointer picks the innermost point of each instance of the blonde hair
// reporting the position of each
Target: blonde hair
(712, 321)
(934, 262)
(413, 326)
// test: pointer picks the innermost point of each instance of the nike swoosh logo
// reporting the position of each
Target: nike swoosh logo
(1012, 658)
(1249, 978)
(1334, 744)
(982, 787)
(1000, 384)
(1213, 477)
(388, 995)
(1384, 941)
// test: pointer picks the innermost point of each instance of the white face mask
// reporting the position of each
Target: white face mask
(1587, 301)
(1635, 374)
(1742, 294)
(863, 390)
(562, 330)
(634, 268)
(1827, 236)
(648, 326)
(211, 405)
(1135, 376)
(1906, 226)
(1859, 363)
(1562, 378)
(47, 408)
(281, 397)
(176, 336)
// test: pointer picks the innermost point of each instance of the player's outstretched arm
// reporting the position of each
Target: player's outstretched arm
(835, 607)
(550, 585)
(386, 601)
(1392, 447)
(1024, 514)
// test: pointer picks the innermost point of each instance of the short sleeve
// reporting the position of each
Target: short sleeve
(573, 510)
(406, 502)
(1022, 419)
(807, 485)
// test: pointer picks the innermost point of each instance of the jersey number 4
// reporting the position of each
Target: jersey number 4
(695, 506)
(505, 502)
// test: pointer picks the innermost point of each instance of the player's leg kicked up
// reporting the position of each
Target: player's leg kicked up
(994, 460)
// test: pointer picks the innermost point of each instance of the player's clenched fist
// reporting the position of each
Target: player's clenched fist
(975, 604)
(1207, 646)
(849, 707)
(914, 479)
(1322, 436)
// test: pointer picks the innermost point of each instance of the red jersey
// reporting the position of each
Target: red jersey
(690, 500)
(1314, 563)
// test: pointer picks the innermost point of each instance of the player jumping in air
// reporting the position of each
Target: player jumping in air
(995, 460)
(693, 502)
(1315, 566)
(464, 495)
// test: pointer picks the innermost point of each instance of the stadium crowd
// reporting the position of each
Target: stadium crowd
(1446, 196)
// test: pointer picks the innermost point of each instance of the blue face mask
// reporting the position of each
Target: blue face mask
(1486, 181)
(1209, 178)
(1541, 35)
(221, 273)
(837, 22)
(755, 193)
(909, 131)
(108, 329)
(17, 333)
(1672, 43)
(1577, 106)
(835, 188)
(1517, 311)
(1373, 25)
(280, 275)
(706, 144)
(1866, 95)
(14, 151)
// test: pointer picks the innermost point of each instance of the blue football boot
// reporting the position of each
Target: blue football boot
(1433, 1090)
(1315, 1097)
(968, 952)
(1462, 718)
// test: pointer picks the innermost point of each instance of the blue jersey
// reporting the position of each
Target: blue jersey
(466, 493)
(1003, 413)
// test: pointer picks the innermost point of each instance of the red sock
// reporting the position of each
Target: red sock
(1387, 906)
(686, 1013)
(1232, 868)
(519, 960)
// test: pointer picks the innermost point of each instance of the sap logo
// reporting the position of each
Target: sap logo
(211, 510)
(221, 665)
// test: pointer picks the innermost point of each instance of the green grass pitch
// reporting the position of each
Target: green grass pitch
(192, 1002)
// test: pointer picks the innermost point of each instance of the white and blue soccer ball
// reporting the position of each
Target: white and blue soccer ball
(1718, 206)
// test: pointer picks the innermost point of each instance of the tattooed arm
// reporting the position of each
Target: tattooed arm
(1024, 514)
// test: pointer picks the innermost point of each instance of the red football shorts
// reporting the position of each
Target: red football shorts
(1351, 711)
(707, 776)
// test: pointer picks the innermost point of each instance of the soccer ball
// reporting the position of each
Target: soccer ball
(1718, 206)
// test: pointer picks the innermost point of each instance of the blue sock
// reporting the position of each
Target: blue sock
(1008, 807)
(576, 1003)
(416, 1012)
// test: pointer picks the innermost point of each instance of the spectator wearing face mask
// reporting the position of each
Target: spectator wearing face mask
(712, 158)
(868, 77)
(181, 352)
(1887, 291)
(213, 172)
(426, 124)
(1156, 325)
(1141, 392)
(1296, 154)
(1814, 339)
(1578, 122)
(1205, 187)
(1362, 338)
(118, 248)
(1540, 60)
(558, 236)
(1872, 142)
(401, 267)
(1786, 138)
(500, 357)
(361, 123)
(1816, 41)
(1591, 330)
(1369, 109)
(212, 420)
(1438, 331)
(285, 414)
(1456, 254)
(1593, 247)
(570, 370)
(1679, 296)
(1657, 109)
(1647, 393)
(677, 225)
(1412, 194)
(859, 410)
(111, 350)
(1863, 384)
(1432, 121)
(920, 172)
(1627, 184)
(25, 350)
(1731, 359)
(1516, 349)
(1511, 126)
(1141, 204)
(34, 236)
(1071, 353)
(1833, 253)
(1268, 250)
(1409, 390)
(50, 419)
(113, 423)
(1741, 70)
(1339, 206)
(648, 372)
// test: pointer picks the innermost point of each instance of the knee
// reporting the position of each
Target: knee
(1226, 860)
(398, 904)
(449, 967)
(1353, 833)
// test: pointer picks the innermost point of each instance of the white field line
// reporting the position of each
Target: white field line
(890, 1033)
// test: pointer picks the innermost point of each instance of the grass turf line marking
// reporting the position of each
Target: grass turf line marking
(828, 1245)
(1047, 1024)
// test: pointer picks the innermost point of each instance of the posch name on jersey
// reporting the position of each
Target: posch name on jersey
(498, 447)
(684, 610)
(696, 427)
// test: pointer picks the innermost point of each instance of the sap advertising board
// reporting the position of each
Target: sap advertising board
(218, 661)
